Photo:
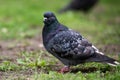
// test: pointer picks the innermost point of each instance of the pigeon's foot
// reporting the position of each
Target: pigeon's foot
(65, 69)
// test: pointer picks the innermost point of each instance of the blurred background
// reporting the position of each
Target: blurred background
(21, 23)
(21, 19)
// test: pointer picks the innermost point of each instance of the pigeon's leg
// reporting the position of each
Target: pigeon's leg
(65, 69)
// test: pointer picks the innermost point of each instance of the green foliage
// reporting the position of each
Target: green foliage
(30, 60)
(8, 66)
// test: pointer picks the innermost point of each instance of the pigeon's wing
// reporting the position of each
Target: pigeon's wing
(70, 45)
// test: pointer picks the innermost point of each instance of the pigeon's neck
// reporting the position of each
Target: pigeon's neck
(49, 31)
(51, 28)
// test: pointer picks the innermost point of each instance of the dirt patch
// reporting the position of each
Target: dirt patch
(15, 75)
(11, 49)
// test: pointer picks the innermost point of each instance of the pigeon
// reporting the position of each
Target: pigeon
(79, 5)
(68, 46)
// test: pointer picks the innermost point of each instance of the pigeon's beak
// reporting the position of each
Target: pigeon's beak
(45, 18)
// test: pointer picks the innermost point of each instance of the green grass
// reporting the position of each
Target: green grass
(39, 67)
(24, 19)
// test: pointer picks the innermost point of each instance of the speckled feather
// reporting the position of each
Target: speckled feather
(69, 45)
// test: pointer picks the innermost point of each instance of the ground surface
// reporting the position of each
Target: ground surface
(23, 57)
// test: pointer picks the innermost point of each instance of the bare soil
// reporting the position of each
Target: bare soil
(11, 49)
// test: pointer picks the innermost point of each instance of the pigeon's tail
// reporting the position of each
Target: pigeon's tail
(105, 59)
(100, 57)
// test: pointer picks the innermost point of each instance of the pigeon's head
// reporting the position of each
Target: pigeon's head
(49, 18)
